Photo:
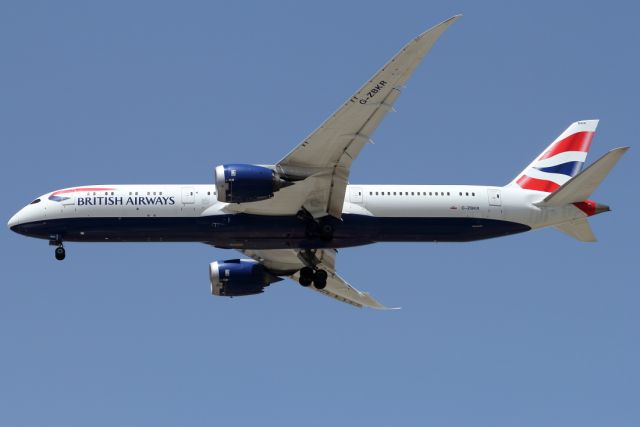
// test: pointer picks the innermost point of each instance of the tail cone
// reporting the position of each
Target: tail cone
(592, 208)
(600, 208)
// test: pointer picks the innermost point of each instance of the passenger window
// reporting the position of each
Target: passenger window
(376, 193)
(466, 194)
(473, 194)
(448, 194)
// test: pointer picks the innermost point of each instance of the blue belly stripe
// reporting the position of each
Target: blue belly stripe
(268, 232)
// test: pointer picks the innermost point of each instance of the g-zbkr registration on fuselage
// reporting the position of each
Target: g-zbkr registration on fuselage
(289, 218)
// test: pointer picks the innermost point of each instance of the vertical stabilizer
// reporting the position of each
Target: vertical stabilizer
(560, 161)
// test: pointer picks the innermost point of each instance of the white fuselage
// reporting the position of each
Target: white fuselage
(193, 213)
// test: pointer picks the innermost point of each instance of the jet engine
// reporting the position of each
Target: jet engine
(240, 183)
(237, 277)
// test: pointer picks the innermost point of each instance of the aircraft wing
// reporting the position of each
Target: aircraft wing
(321, 163)
(288, 262)
(332, 147)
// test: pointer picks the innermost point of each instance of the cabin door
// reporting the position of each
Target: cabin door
(188, 195)
(355, 194)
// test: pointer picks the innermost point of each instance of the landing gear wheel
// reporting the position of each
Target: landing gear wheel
(319, 285)
(306, 276)
(327, 230)
(304, 282)
(307, 272)
(320, 279)
(321, 229)
(60, 253)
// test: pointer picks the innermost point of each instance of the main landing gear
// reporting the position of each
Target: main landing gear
(59, 252)
(309, 275)
(321, 229)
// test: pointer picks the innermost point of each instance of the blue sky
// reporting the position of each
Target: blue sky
(535, 329)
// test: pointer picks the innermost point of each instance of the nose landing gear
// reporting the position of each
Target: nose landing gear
(59, 252)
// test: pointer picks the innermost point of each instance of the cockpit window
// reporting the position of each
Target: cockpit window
(35, 201)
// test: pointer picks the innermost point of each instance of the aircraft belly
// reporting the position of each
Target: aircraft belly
(244, 231)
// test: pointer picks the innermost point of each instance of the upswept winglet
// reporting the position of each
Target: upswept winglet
(339, 140)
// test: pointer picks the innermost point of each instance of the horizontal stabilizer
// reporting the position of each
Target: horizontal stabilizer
(578, 229)
(581, 186)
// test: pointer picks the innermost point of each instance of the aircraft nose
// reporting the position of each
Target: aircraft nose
(14, 221)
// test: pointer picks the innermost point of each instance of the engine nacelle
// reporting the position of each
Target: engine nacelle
(240, 183)
(237, 277)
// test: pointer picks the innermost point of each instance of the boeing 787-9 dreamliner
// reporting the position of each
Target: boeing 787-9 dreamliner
(289, 218)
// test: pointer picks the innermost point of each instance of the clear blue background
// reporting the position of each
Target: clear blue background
(530, 330)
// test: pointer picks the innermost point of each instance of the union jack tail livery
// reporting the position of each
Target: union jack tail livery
(560, 161)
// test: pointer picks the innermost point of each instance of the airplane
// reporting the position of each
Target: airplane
(290, 218)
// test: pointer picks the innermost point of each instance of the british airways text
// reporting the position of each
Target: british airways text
(113, 200)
